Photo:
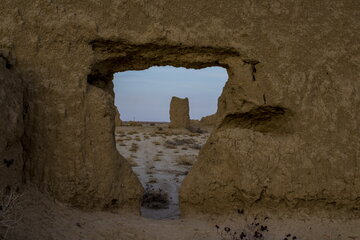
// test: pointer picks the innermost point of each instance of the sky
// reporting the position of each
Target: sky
(145, 95)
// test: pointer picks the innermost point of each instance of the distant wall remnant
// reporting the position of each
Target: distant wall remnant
(118, 121)
(179, 113)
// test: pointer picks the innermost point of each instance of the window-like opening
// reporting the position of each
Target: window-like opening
(161, 153)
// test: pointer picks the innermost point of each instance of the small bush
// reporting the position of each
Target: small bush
(155, 199)
(185, 160)
(134, 147)
(170, 146)
(196, 130)
(152, 180)
(131, 161)
(134, 124)
(195, 146)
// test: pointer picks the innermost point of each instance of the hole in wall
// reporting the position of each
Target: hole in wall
(160, 156)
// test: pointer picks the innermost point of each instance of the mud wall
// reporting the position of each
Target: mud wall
(11, 125)
(289, 132)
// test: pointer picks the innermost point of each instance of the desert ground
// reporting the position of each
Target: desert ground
(161, 158)
(42, 217)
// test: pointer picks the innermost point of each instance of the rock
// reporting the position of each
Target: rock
(179, 113)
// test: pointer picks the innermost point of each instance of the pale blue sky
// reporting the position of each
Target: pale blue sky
(145, 95)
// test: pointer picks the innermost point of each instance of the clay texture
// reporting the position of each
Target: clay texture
(11, 125)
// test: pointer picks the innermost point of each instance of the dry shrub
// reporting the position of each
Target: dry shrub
(152, 180)
(146, 137)
(131, 161)
(186, 160)
(196, 130)
(134, 147)
(157, 158)
(170, 146)
(176, 151)
(132, 132)
(194, 134)
(155, 199)
(195, 146)
(134, 124)
(182, 173)
(137, 138)
(119, 132)
(10, 210)
(122, 144)
(180, 142)
(156, 143)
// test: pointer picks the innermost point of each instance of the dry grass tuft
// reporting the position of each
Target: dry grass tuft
(155, 199)
(131, 161)
(132, 132)
(10, 213)
(133, 124)
(186, 160)
(195, 146)
(152, 180)
(134, 147)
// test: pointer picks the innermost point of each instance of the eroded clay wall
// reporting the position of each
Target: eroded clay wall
(291, 126)
(11, 126)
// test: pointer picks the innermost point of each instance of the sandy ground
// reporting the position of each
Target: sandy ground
(45, 219)
(161, 158)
